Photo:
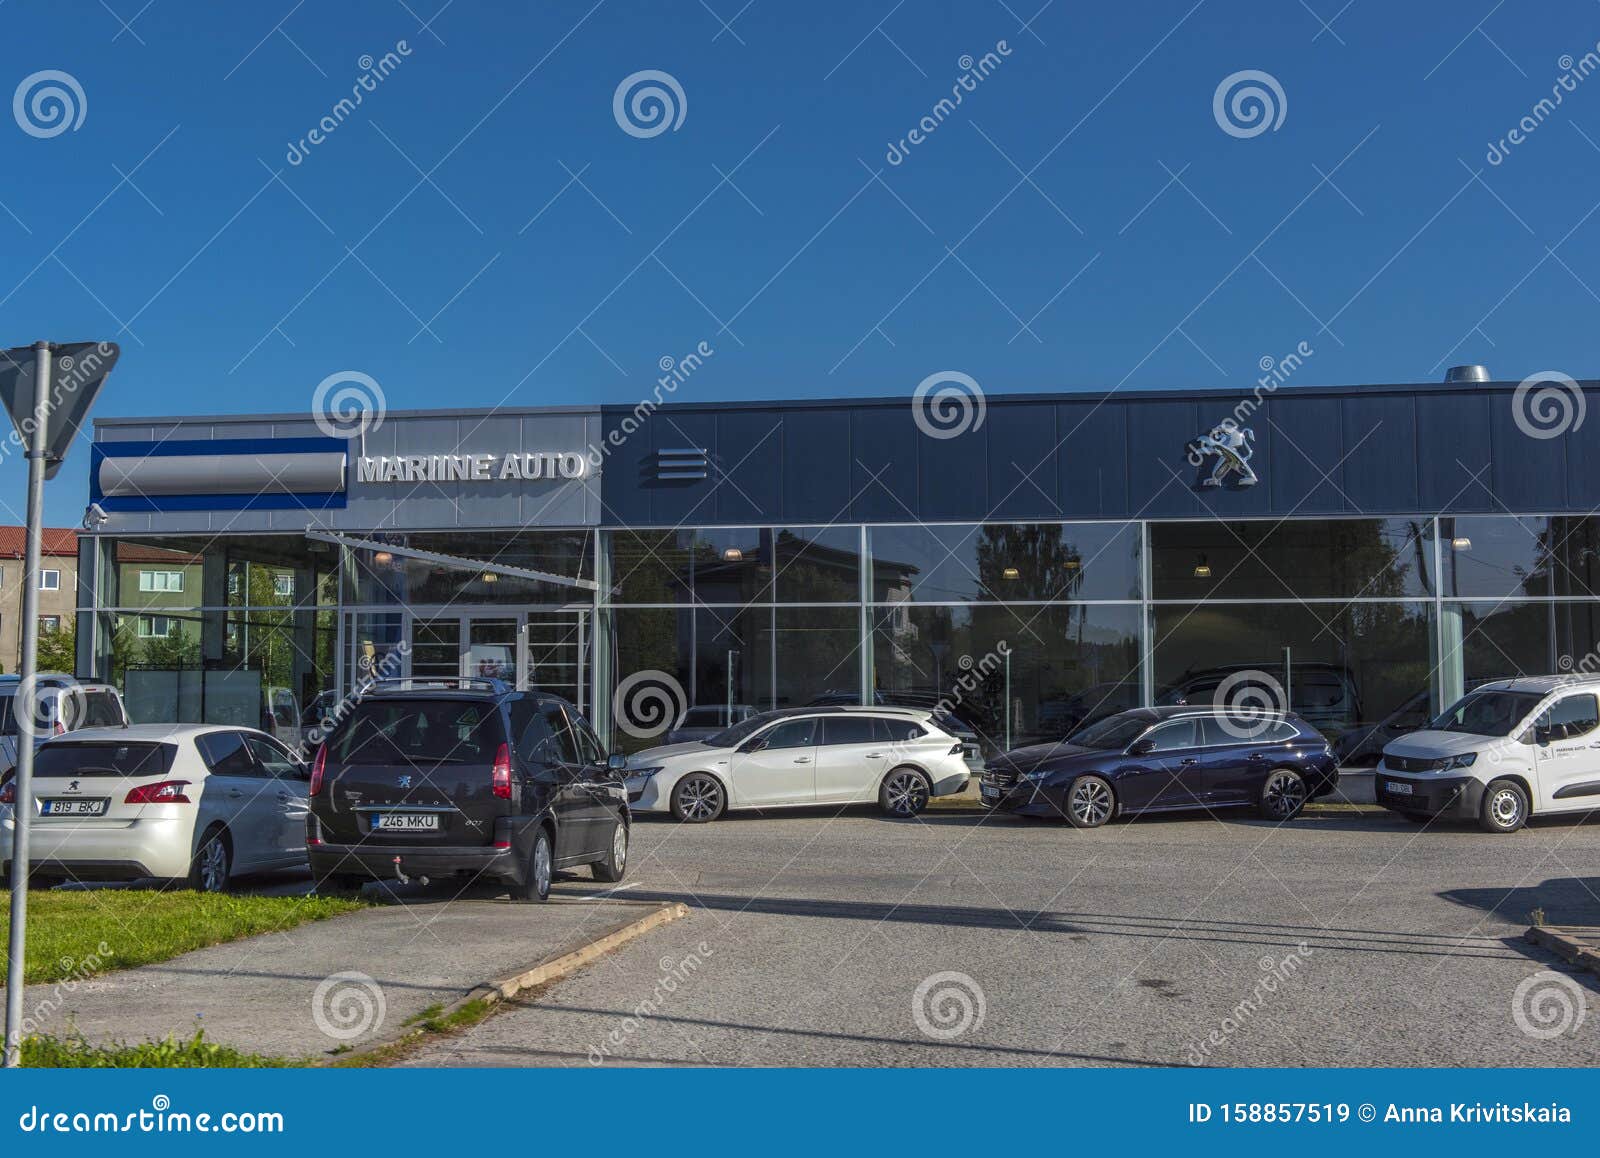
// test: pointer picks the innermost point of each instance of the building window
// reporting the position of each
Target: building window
(155, 626)
(49, 623)
(283, 585)
(49, 580)
(160, 580)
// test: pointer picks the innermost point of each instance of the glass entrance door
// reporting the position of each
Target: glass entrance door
(558, 654)
(491, 650)
(543, 649)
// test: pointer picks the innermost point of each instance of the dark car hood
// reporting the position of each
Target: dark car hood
(1034, 756)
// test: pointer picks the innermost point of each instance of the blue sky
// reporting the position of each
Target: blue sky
(481, 230)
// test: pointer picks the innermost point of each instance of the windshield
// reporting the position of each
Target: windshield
(1487, 713)
(1111, 733)
(739, 733)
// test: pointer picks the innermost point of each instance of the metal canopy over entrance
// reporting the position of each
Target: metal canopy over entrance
(459, 561)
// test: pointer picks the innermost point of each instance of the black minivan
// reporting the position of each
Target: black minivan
(428, 777)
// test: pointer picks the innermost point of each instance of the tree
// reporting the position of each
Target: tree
(58, 649)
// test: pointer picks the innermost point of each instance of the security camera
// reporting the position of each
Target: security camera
(94, 516)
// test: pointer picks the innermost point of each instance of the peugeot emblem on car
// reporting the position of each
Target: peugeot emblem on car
(404, 782)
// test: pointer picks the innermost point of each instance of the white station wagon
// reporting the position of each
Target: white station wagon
(1505, 751)
(897, 757)
(198, 802)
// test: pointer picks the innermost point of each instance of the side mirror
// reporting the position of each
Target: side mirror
(753, 745)
(616, 762)
(1543, 733)
(1142, 747)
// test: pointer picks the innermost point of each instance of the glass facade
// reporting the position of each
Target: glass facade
(1023, 630)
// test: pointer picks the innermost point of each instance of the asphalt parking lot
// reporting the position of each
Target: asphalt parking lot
(1341, 939)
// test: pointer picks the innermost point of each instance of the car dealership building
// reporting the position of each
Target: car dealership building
(1373, 550)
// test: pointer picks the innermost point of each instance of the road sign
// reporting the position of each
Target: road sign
(77, 372)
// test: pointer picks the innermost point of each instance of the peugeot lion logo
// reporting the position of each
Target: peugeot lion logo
(404, 782)
(73, 786)
(1230, 444)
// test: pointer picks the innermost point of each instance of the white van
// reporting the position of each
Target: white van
(1504, 751)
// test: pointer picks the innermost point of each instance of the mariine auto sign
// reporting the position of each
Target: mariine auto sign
(517, 464)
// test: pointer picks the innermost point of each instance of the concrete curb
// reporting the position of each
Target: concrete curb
(1316, 809)
(492, 993)
(1568, 944)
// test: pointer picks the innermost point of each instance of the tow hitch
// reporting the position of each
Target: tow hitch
(400, 875)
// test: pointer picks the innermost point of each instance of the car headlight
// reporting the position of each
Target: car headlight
(643, 773)
(1464, 760)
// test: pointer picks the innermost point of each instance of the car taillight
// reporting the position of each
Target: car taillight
(502, 773)
(8, 792)
(317, 766)
(164, 792)
(61, 729)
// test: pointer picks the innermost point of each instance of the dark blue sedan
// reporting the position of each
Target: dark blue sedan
(1166, 759)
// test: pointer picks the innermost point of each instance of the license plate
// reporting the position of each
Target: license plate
(1397, 788)
(990, 793)
(60, 807)
(405, 822)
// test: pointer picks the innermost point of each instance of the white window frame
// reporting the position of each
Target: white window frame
(161, 582)
(152, 633)
(49, 579)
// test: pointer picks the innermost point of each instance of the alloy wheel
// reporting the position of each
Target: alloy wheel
(214, 866)
(700, 798)
(1090, 803)
(1284, 794)
(906, 793)
(619, 848)
(541, 866)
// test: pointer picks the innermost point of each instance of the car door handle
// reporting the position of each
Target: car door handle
(1256, 756)
(283, 796)
(1187, 760)
(235, 793)
(874, 755)
(802, 759)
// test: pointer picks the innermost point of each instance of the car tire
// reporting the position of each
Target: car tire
(904, 792)
(211, 869)
(1504, 807)
(1283, 795)
(615, 865)
(1090, 802)
(540, 870)
(698, 799)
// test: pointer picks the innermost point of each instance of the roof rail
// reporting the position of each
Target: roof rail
(424, 683)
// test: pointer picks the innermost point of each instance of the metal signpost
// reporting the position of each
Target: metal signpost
(46, 423)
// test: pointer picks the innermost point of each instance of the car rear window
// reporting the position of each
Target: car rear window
(96, 710)
(705, 718)
(419, 731)
(79, 758)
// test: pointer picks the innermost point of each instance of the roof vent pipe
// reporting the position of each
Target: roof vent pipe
(1467, 374)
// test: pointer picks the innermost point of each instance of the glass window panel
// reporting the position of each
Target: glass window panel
(1005, 562)
(1296, 558)
(1494, 555)
(383, 576)
(1508, 638)
(1574, 548)
(732, 657)
(1067, 665)
(1351, 665)
(691, 566)
(818, 655)
(818, 564)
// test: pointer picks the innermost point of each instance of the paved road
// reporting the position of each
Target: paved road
(1347, 940)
